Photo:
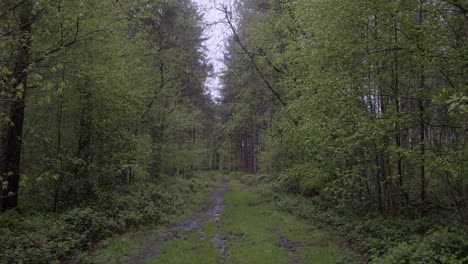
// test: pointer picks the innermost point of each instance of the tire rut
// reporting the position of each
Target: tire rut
(211, 211)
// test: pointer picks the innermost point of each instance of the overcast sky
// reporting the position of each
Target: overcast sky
(216, 32)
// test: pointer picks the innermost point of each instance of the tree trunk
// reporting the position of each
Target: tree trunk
(13, 141)
(58, 170)
(422, 168)
(254, 150)
(378, 188)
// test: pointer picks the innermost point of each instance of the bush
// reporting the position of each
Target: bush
(305, 179)
(395, 241)
(443, 246)
(50, 238)
(255, 179)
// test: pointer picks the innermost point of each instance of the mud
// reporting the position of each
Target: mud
(210, 211)
(290, 246)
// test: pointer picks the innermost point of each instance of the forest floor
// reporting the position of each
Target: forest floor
(233, 225)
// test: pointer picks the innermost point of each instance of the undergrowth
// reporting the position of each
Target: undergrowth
(37, 238)
(379, 240)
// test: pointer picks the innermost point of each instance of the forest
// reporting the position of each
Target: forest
(339, 134)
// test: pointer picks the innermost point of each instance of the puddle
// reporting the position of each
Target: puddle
(290, 246)
(211, 212)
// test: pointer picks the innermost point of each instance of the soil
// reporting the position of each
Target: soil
(210, 212)
(290, 246)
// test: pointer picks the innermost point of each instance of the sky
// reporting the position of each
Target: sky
(216, 32)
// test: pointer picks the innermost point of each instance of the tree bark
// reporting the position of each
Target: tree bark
(422, 167)
(13, 141)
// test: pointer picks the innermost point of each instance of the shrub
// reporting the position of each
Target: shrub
(443, 246)
(304, 179)
(50, 238)
(396, 241)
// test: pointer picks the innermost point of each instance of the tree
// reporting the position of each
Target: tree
(115, 93)
(365, 118)
(14, 86)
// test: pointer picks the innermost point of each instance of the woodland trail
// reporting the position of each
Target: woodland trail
(236, 226)
(210, 212)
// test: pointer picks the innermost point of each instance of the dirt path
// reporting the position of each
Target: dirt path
(236, 225)
(210, 212)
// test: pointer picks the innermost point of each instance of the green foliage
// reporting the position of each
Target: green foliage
(257, 229)
(303, 179)
(369, 104)
(375, 239)
(384, 240)
(188, 250)
(115, 94)
(442, 246)
(48, 238)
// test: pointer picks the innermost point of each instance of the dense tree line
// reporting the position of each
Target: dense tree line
(361, 103)
(358, 106)
(96, 94)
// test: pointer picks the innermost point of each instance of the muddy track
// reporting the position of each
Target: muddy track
(289, 245)
(210, 211)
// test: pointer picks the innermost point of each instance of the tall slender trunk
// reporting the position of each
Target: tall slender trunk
(422, 128)
(241, 153)
(231, 156)
(390, 186)
(254, 149)
(11, 148)
(422, 149)
(270, 128)
(59, 169)
(378, 187)
(396, 87)
(84, 134)
(386, 167)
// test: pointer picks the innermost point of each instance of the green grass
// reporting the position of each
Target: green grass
(253, 228)
(247, 227)
(209, 229)
(324, 255)
(257, 228)
(188, 251)
(117, 248)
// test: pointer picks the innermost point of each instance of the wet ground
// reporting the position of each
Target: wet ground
(210, 212)
(235, 226)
